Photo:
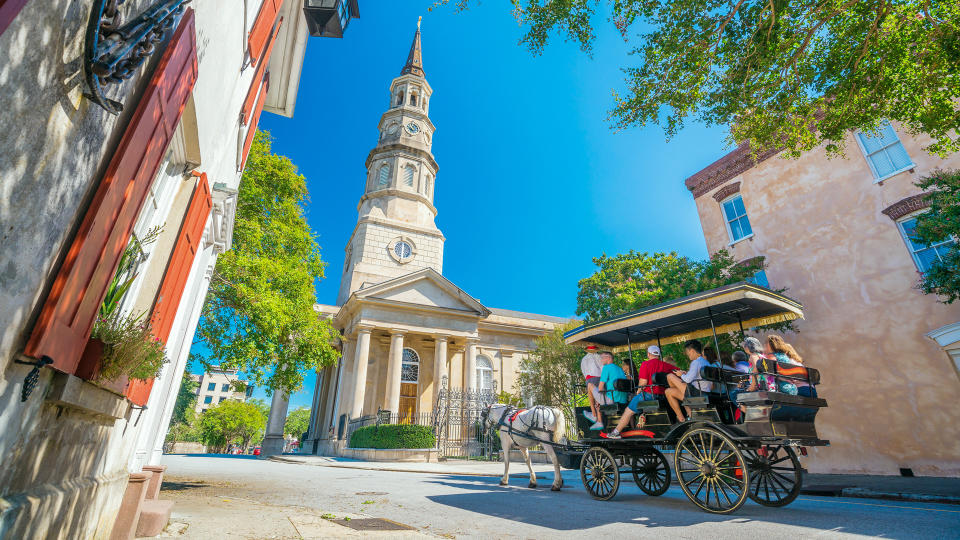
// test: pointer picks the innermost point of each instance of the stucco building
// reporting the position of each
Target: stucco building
(405, 325)
(218, 385)
(836, 234)
(95, 154)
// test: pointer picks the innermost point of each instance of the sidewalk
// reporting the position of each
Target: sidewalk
(922, 488)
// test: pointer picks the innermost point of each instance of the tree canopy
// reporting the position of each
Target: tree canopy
(941, 223)
(548, 371)
(231, 422)
(186, 399)
(780, 73)
(297, 422)
(259, 316)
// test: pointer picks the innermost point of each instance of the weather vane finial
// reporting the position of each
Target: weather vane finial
(419, 19)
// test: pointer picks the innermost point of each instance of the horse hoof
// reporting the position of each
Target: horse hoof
(503, 482)
(555, 488)
(531, 485)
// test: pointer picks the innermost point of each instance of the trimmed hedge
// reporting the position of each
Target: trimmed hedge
(390, 436)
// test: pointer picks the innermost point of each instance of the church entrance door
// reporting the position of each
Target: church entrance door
(409, 386)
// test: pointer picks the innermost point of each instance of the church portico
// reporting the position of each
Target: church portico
(407, 328)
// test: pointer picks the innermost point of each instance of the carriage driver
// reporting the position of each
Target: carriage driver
(648, 369)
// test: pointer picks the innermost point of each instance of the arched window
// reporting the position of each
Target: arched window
(410, 367)
(408, 173)
(484, 373)
(400, 98)
(413, 98)
(383, 177)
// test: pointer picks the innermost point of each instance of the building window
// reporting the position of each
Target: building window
(924, 255)
(383, 176)
(400, 98)
(484, 373)
(884, 152)
(225, 387)
(526, 395)
(735, 214)
(410, 367)
(760, 278)
(413, 98)
(955, 355)
(208, 399)
(408, 173)
(222, 399)
(211, 387)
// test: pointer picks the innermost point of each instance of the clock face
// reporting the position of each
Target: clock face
(412, 128)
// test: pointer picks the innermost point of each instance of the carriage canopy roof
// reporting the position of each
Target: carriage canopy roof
(730, 307)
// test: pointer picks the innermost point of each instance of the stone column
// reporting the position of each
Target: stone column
(470, 365)
(439, 365)
(392, 397)
(273, 440)
(342, 382)
(360, 371)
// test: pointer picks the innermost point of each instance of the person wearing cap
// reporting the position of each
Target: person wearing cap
(650, 367)
(591, 367)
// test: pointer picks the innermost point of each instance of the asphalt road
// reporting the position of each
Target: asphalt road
(470, 506)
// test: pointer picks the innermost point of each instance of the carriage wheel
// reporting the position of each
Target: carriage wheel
(600, 473)
(710, 470)
(775, 478)
(651, 472)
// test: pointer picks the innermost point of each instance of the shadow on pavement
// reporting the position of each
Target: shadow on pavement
(225, 456)
(182, 486)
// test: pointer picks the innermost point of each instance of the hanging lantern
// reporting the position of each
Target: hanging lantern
(329, 18)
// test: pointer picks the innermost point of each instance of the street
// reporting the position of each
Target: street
(477, 507)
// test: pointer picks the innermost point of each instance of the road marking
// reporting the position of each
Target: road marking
(881, 505)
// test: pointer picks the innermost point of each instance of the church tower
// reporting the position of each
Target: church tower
(395, 233)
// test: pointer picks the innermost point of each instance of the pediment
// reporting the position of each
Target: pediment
(424, 288)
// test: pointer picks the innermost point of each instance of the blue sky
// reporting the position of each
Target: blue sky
(533, 182)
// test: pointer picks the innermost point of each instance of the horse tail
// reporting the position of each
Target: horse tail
(560, 429)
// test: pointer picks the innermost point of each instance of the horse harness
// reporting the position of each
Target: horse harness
(538, 424)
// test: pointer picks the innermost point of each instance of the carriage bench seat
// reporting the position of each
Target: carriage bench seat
(776, 414)
(769, 398)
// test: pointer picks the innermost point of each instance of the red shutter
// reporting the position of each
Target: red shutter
(254, 120)
(63, 327)
(260, 32)
(258, 76)
(175, 278)
(8, 12)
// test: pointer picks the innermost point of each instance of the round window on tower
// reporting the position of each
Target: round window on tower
(402, 249)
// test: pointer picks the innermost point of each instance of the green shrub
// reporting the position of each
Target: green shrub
(391, 436)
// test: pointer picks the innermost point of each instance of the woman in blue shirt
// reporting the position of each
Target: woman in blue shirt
(608, 375)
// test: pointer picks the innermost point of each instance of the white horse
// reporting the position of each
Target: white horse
(539, 422)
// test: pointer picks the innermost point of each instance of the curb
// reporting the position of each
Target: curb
(866, 493)
(391, 469)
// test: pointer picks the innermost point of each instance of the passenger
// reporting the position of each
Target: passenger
(608, 377)
(648, 369)
(754, 350)
(783, 352)
(591, 367)
(741, 362)
(690, 381)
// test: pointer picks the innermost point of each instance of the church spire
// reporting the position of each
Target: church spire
(414, 64)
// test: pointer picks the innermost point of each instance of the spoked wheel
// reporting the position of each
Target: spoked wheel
(600, 473)
(710, 470)
(651, 472)
(775, 475)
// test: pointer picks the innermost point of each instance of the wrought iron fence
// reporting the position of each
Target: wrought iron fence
(458, 426)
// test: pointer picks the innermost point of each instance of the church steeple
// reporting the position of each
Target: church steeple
(414, 65)
(396, 233)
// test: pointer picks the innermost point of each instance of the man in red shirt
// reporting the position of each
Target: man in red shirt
(645, 373)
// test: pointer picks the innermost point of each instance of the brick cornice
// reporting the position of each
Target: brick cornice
(727, 191)
(906, 206)
(729, 166)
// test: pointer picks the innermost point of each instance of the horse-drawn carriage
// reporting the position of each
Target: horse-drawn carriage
(726, 450)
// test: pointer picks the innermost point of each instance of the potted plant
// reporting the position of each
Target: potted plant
(127, 349)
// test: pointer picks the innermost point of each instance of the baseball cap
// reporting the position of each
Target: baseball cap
(654, 350)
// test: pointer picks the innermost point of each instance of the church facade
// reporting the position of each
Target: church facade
(405, 326)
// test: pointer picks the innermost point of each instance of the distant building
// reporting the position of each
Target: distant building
(217, 386)
(837, 235)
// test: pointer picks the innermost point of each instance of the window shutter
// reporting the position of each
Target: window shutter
(68, 314)
(8, 11)
(175, 278)
(254, 120)
(258, 77)
(260, 32)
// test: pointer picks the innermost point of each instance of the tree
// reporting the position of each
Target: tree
(780, 73)
(186, 399)
(185, 430)
(940, 222)
(258, 316)
(550, 370)
(231, 422)
(297, 422)
(632, 281)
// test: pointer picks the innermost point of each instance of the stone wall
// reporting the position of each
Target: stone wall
(820, 225)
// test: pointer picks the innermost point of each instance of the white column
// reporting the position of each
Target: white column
(273, 441)
(392, 397)
(470, 367)
(360, 361)
(341, 383)
(313, 427)
(439, 365)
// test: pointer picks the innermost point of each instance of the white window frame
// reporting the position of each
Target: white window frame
(866, 156)
(481, 370)
(908, 244)
(726, 222)
(404, 361)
